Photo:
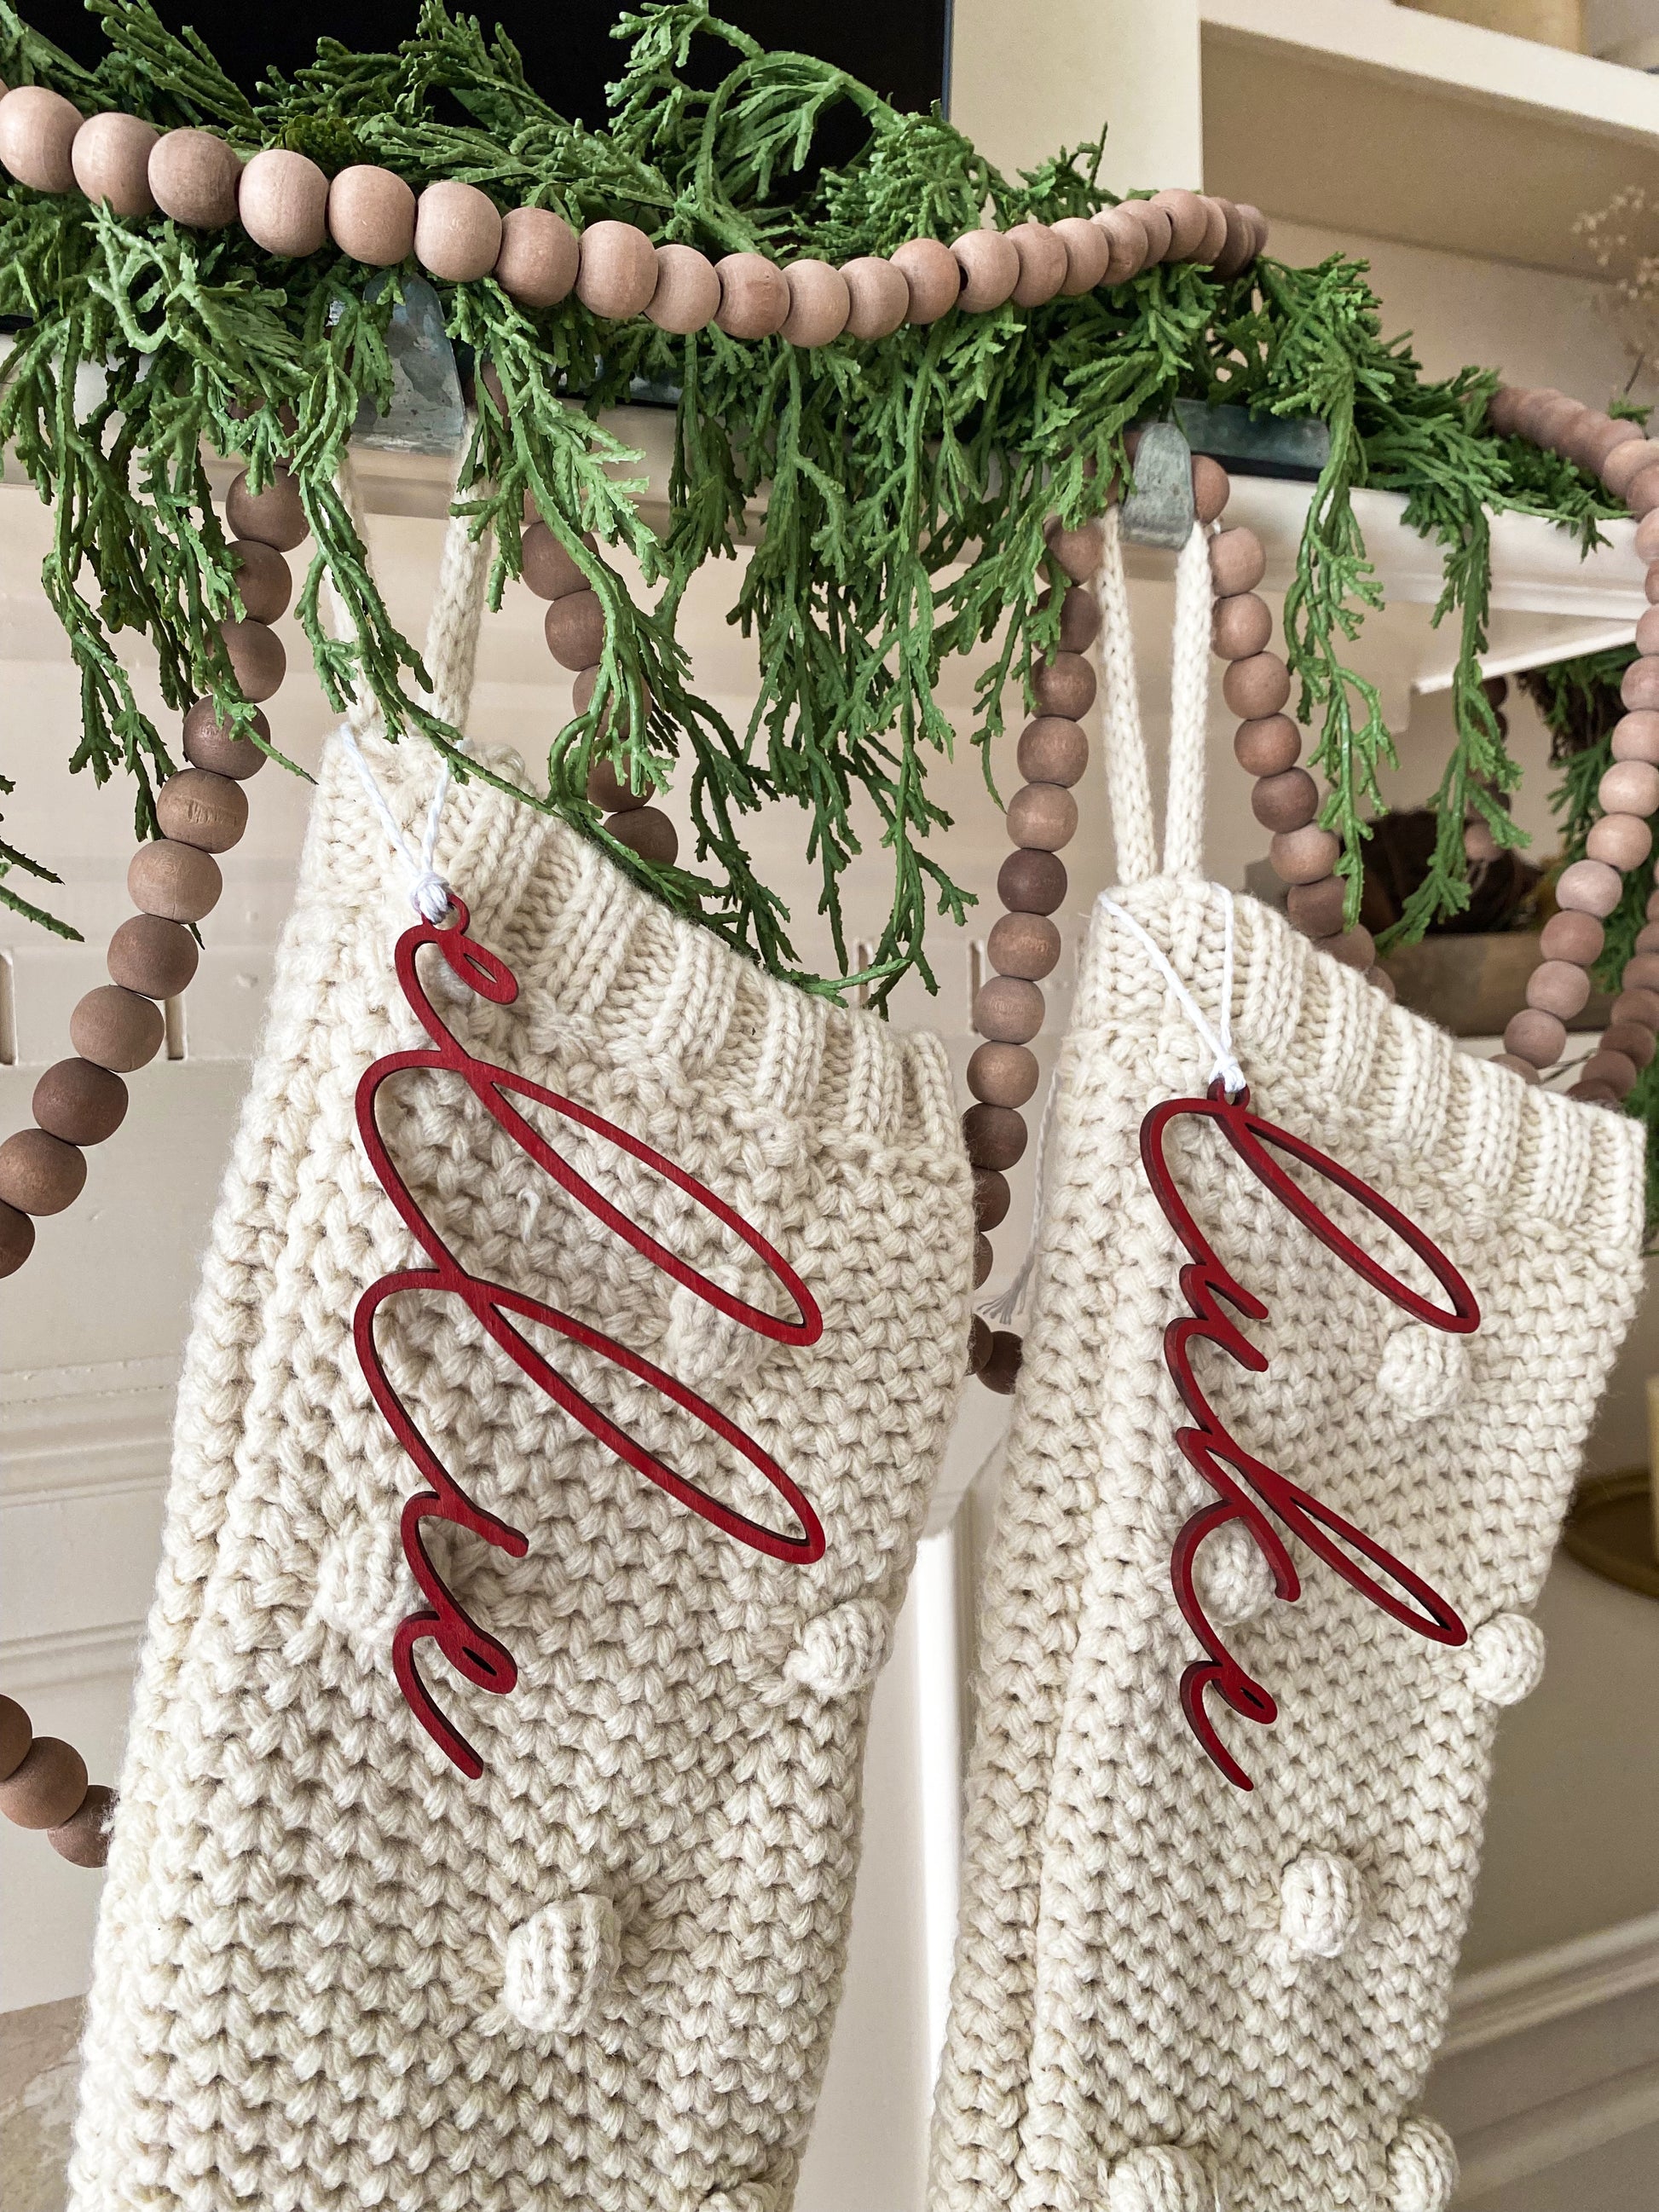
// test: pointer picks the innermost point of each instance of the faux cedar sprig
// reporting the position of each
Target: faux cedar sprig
(906, 482)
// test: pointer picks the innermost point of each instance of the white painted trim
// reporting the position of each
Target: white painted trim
(69, 1655)
(1506, 2000)
(1546, 2136)
(96, 1431)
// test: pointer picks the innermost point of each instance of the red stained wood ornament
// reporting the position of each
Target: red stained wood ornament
(1234, 1473)
(470, 1649)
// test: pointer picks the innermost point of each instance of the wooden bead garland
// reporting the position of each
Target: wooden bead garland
(43, 1784)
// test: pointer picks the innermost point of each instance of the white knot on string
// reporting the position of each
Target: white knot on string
(560, 1963)
(428, 891)
(1324, 1903)
(1219, 1041)
(1160, 2178)
(1422, 2168)
(1506, 1659)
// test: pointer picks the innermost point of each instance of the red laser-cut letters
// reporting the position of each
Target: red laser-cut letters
(1212, 1450)
(470, 1649)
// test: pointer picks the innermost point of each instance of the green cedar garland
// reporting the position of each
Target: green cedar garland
(906, 482)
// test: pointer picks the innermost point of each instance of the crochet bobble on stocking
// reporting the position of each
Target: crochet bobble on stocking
(173, 881)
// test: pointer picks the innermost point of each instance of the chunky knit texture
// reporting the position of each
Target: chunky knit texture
(1171, 1994)
(331, 1974)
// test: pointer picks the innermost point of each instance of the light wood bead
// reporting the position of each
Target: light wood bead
(1003, 1074)
(1642, 492)
(1636, 737)
(1612, 1068)
(1024, 945)
(989, 262)
(283, 199)
(173, 881)
(1238, 249)
(117, 1029)
(1589, 887)
(1052, 750)
(1080, 617)
(1634, 1039)
(575, 629)
(83, 1838)
(209, 743)
(1481, 846)
(1285, 802)
(819, 304)
(1503, 410)
(1209, 249)
(979, 1338)
(39, 1173)
(1031, 883)
(1064, 685)
(1238, 562)
(275, 516)
(878, 297)
(1652, 907)
(263, 580)
(1623, 841)
(1043, 817)
(1079, 552)
(1087, 253)
(982, 1259)
(1317, 908)
(617, 274)
(1640, 686)
(1536, 1035)
(1267, 746)
(647, 831)
(1611, 432)
(1560, 987)
(933, 275)
(16, 1239)
(996, 1136)
(1625, 463)
(193, 177)
(1647, 937)
(1647, 551)
(1633, 1004)
(1126, 245)
(196, 808)
(152, 956)
(1000, 1372)
(15, 1736)
(1555, 420)
(1043, 263)
(257, 657)
(1515, 1065)
(1155, 224)
(1641, 972)
(1305, 855)
(1189, 220)
(1529, 410)
(1630, 786)
(538, 256)
(370, 216)
(79, 1102)
(1257, 687)
(37, 130)
(548, 568)
(607, 791)
(46, 1787)
(1211, 488)
(1241, 626)
(1007, 1010)
(754, 300)
(1651, 585)
(1575, 936)
(992, 1197)
(457, 232)
(110, 159)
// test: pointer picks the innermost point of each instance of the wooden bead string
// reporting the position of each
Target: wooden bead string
(290, 208)
(43, 1784)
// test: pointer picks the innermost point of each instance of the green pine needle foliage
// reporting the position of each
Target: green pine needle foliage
(905, 483)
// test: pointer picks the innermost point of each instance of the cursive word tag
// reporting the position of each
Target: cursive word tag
(470, 1649)
(1223, 1462)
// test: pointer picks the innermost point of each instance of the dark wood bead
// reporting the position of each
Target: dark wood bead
(178, 881)
(1211, 488)
(1634, 1039)
(1042, 816)
(79, 1102)
(275, 516)
(1007, 1010)
(1575, 936)
(1285, 801)
(1616, 1069)
(258, 659)
(1307, 855)
(982, 1260)
(1641, 972)
(1316, 909)
(607, 791)
(548, 568)
(575, 629)
(581, 697)
(1241, 626)
(1053, 750)
(193, 177)
(1080, 617)
(1642, 1007)
(979, 1344)
(1268, 746)
(1238, 562)
(1025, 945)
(1031, 883)
(15, 1736)
(991, 1198)
(117, 1029)
(648, 832)
(211, 744)
(46, 1786)
(152, 956)
(1064, 685)
(262, 579)
(17, 1239)
(1257, 687)
(1079, 551)
(39, 1173)
(1003, 1074)
(995, 1135)
(83, 1838)
(197, 808)
(1001, 1370)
